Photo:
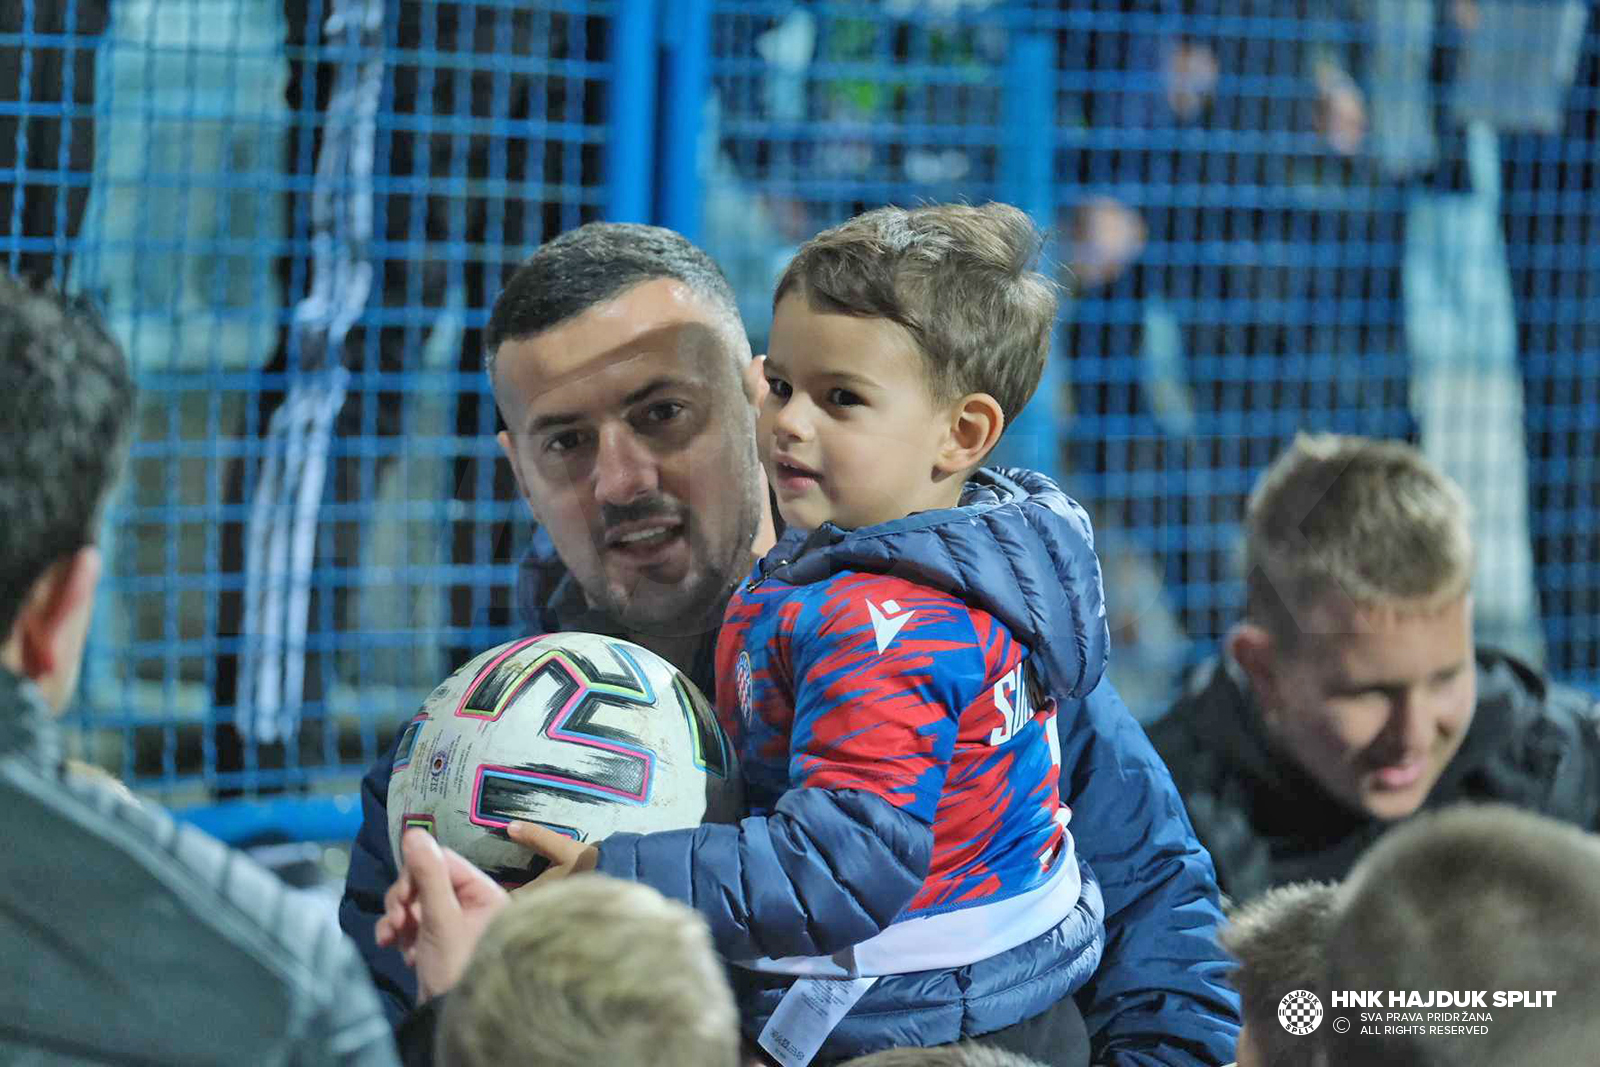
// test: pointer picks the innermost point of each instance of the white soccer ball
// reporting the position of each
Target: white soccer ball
(587, 735)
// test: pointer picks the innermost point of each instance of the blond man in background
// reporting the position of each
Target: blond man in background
(1351, 695)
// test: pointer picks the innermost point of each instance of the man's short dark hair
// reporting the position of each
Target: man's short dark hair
(962, 281)
(66, 401)
(592, 264)
(1277, 942)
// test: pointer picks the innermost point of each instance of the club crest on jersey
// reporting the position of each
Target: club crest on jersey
(744, 684)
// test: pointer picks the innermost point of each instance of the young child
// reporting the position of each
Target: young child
(1279, 943)
(906, 876)
(571, 976)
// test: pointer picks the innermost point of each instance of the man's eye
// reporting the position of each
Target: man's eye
(564, 442)
(779, 387)
(665, 411)
(844, 398)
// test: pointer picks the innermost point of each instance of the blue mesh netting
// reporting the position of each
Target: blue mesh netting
(1373, 218)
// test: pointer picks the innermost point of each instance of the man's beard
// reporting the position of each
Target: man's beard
(691, 607)
(695, 604)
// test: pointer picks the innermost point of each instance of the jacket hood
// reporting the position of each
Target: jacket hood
(1225, 712)
(1016, 547)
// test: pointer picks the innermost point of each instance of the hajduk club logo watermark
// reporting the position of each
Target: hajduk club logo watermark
(1300, 1012)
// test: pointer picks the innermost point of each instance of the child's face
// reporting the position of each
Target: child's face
(850, 432)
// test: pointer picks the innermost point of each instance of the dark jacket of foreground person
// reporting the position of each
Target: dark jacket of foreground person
(128, 939)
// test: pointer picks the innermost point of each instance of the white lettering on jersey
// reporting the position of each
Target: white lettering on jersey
(1014, 703)
(887, 621)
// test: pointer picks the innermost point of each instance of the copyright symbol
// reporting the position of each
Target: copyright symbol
(1341, 1025)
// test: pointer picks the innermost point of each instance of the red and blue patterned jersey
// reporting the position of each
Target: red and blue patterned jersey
(871, 682)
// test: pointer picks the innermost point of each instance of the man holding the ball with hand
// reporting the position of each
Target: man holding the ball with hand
(627, 385)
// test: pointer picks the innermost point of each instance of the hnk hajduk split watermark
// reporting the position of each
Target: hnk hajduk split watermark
(1401, 1011)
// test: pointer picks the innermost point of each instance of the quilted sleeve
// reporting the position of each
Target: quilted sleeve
(1160, 996)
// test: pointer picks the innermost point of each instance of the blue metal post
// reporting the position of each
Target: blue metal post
(1027, 160)
(631, 121)
(685, 83)
(1028, 112)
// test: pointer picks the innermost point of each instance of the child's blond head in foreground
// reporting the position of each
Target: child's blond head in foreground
(903, 342)
(592, 971)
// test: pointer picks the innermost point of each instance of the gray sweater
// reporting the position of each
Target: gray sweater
(128, 939)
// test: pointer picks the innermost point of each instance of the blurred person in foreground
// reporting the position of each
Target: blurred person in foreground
(122, 934)
(581, 971)
(592, 971)
(1279, 943)
(1479, 899)
(963, 1055)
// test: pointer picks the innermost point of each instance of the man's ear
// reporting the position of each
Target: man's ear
(1252, 647)
(755, 381)
(975, 424)
(508, 448)
(49, 630)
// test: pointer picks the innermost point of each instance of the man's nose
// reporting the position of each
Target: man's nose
(1411, 722)
(625, 467)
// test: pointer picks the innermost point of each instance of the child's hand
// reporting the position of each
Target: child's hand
(567, 857)
(436, 911)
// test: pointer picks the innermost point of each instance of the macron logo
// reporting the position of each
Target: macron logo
(887, 621)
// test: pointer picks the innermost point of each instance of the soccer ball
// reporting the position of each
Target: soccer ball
(587, 735)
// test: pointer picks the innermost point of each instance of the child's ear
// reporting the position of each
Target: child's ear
(975, 424)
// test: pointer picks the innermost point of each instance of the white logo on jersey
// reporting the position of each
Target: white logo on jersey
(886, 623)
(1014, 703)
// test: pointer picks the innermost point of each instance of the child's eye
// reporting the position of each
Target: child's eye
(779, 387)
(844, 398)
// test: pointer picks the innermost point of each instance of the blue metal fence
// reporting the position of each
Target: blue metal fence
(1375, 218)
